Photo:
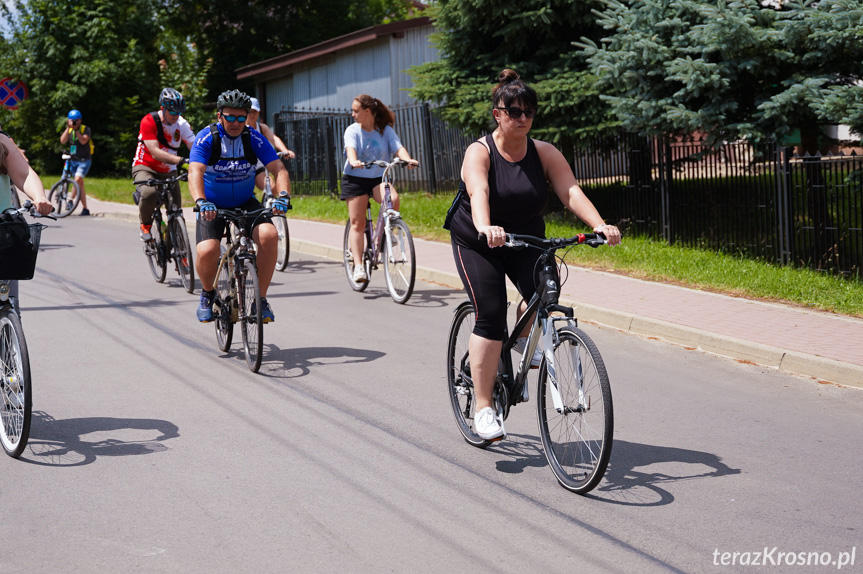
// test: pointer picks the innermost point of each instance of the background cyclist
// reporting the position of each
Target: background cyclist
(77, 136)
(222, 175)
(156, 156)
(370, 138)
(275, 141)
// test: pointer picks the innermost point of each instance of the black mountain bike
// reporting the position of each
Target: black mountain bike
(574, 407)
(169, 240)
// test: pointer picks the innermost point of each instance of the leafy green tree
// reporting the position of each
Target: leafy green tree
(185, 68)
(731, 69)
(477, 40)
(93, 55)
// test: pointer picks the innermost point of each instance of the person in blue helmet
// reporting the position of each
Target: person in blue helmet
(77, 136)
(222, 176)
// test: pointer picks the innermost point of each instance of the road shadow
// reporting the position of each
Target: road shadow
(300, 266)
(77, 442)
(52, 246)
(294, 363)
(637, 474)
(641, 474)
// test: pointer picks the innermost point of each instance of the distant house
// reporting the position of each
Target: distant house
(330, 74)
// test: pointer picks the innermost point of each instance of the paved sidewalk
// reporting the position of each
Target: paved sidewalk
(821, 345)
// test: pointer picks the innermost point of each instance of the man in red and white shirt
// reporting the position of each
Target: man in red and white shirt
(156, 155)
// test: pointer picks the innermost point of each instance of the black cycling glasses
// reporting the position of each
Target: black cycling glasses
(515, 112)
(231, 119)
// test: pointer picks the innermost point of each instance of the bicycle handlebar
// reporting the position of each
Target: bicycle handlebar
(153, 182)
(384, 164)
(67, 157)
(517, 241)
(30, 209)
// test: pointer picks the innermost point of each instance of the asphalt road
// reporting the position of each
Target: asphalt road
(152, 451)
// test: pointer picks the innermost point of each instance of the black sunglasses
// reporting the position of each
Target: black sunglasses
(515, 112)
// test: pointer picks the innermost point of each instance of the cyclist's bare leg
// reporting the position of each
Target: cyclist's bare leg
(266, 239)
(357, 212)
(80, 181)
(208, 262)
(484, 357)
(378, 194)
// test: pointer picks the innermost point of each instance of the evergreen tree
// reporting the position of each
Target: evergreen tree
(731, 69)
(477, 40)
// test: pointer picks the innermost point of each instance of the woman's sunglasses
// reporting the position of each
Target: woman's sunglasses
(515, 112)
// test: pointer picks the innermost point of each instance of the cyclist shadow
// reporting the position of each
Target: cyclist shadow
(62, 442)
(295, 362)
(52, 246)
(623, 483)
(636, 471)
(305, 266)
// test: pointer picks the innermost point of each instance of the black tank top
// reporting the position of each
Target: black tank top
(518, 194)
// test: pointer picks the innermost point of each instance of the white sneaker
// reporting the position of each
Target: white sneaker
(519, 346)
(360, 275)
(487, 425)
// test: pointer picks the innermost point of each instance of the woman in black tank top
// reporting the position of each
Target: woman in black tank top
(507, 176)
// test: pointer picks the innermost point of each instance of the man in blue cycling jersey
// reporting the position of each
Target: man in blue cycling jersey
(222, 176)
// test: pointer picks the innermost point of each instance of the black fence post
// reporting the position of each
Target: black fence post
(429, 149)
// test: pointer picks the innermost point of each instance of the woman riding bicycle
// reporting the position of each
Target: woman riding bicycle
(14, 168)
(504, 189)
(371, 138)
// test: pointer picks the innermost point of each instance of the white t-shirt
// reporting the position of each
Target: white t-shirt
(370, 146)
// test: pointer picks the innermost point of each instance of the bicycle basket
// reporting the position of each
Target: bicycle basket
(19, 246)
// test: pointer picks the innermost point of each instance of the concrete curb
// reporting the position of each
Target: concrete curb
(820, 368)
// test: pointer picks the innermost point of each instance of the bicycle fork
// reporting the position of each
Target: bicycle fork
(549, 340)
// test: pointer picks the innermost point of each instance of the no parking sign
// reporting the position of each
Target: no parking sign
(12, 93)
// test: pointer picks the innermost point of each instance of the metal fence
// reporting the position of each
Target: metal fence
(756, 200)
(316, 137)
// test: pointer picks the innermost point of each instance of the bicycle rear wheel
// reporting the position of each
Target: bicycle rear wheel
(401, 266)
(223, 307)
(577, 439)
(182, 253)
(283, 251)
(16, 394)
(61, 198)
(253, 324)
(459, 381)
(349, 262)
(155, 252)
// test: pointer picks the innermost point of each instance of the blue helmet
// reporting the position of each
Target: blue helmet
(74, 115)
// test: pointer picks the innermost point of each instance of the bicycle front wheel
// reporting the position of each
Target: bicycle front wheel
(224, 308)
(155, 251)
(401, 266)
(576, 433)
(349, 262)
(253, 324)
(16, 394)
(64, 196)
(283, 251)
(182, 253)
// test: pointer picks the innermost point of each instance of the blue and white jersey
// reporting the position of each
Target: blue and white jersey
(370, 146)
(231, 182)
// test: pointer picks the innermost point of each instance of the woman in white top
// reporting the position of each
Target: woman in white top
(371, 138)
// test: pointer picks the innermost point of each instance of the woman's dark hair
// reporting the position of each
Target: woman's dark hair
(511, 89)
(383, 116)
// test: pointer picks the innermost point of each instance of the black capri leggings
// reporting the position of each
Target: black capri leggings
(484, 273)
